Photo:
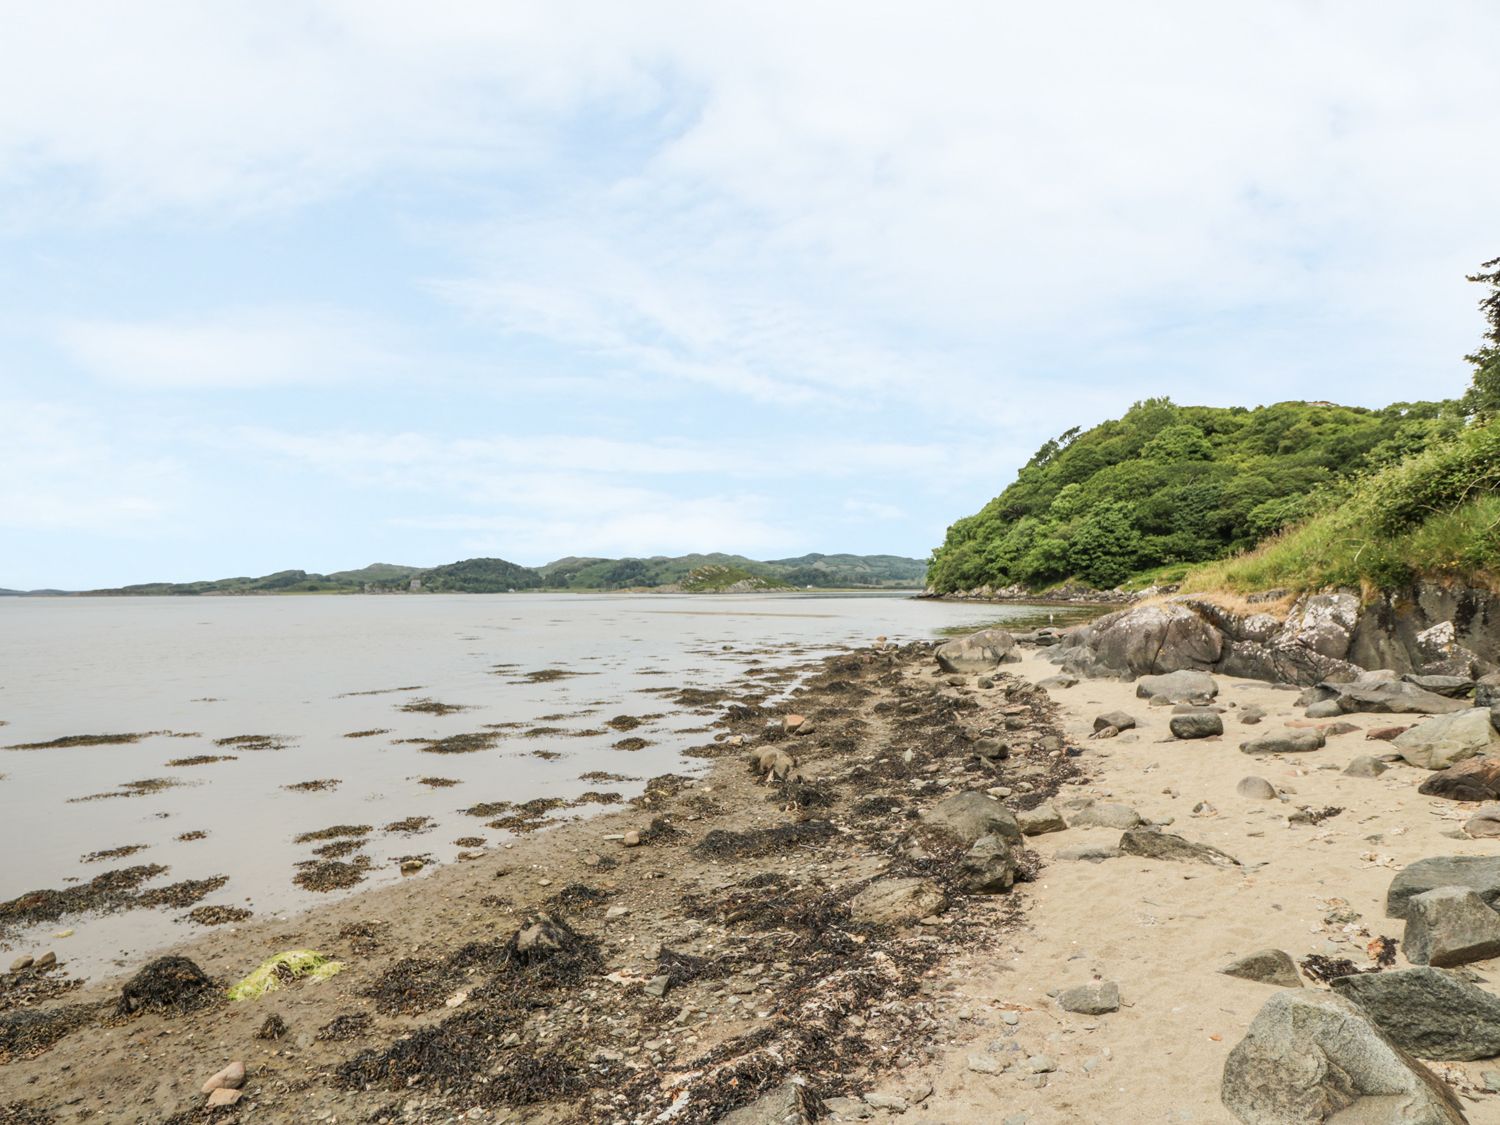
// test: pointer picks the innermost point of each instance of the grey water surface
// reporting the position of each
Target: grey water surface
(308, 671)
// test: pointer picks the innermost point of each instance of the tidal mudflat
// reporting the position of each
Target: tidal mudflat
(218, 742)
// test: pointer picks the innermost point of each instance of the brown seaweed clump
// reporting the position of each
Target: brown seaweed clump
(317, 785)
(431, 707)
(324, 875)
(438, 782)
(201, 760)
(336, 832)
(470, 743)
(169, 985)
(367, 733)
(87, 740)
(218, 915)
(113, 890)
(411, 825)
(142, 788)
(181, 894)
(112, 853)
(255, 741)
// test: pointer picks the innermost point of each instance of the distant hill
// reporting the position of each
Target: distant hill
(491, 576)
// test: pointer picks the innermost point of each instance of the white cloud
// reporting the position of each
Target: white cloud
(63, 469)
(242, 349)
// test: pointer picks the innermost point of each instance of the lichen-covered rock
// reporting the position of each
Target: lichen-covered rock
(1284, 742)
(1450, 926)
(988, 868)
(1308, 1056)
(1480, 873)
(1429, 1012)
(1196, 724)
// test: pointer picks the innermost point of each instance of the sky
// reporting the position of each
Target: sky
(316, 284)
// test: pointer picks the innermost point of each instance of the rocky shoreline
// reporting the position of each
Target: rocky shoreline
(962, 889)
(764, 932)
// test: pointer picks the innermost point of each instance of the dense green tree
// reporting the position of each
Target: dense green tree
(1483, 397)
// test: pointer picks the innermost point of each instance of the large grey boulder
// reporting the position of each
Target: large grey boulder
(897, 901)
(971, 815)
(1487, 690)
(1450, 926)
(1178, 687)
(983, 651)
(1308, 1056)
(1321, 623)
(1152, 639)
(1440, 742)
(1265, 966)
(1431, 1013)
(1196, 724)
(1285, 742)
(1151, 844)
(1480, 873)
(988, 868)
(1383, 697)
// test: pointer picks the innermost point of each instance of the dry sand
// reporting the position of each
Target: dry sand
(1162, 930)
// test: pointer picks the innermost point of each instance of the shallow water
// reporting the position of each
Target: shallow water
(311, 670)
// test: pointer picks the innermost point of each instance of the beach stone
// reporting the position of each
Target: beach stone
(1454, 687)
(1041, 820)
(1284, 742)
(658, 986)
(1474, 779)
(1308, 1055)
(1107, 732)
(992, 749)
(22, 963)
(893, 1102)
(1094, 999)
(1384, 734)
(1197, 724)
(972, 815)
(45, 961)
(1256, 789)
(1120, 720)
(1265, 966)
(1393, 696)
(1485, 823)
(1440, 742)
(787, 1104)
(1252, 714)
(1059, 681)
(1040, 1064)
(1326, 709)
(1183, 686)
(1151, 844)
(1450, 926)
(1480, 873)
(793, 724)
(988, 868)
(847, 1109)
(631, 839)
(979, 652)
(1365, 765)
(1088, 853)
(983, 1064)
(1333, 730)
(225, 1095)
(897, 901)
(232, 1077)
(1105, 814)
(1429, 1012)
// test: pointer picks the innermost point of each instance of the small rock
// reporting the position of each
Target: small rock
(1252, 715)
(1485, 823)
(1041, 820)
(616, 912)
(232, 1077)
(1091, 999)
(893, 1102)
(1040, 1064)
(1106, 815)
(45, 961)
(1450, 926)
(897, 901)
(1120, 720)
(1058, 682)
(1365, 766)
(1256, 789)
(1284, 742)
(631, 839)
(225, 1096)
(1326, 709)
(1197, 724)
(1384, 734)
(992, 749)
(1265, 966)
(1088, 853)
(989, 867)
(984, 1064)
(792, 724)
(1150, 844)
(21, 963)
(657, 986)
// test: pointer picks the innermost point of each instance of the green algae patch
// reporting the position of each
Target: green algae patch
(282, 969)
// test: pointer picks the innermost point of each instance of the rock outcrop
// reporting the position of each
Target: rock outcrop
(979, 652)
(1322, 637)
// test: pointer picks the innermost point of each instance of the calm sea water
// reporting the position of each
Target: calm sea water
(310, 670)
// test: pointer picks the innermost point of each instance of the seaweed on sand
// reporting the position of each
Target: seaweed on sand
(317, 785)
(181, 894)
(87, 740)
(367, 733)
(338, 849)
(112, 890)
(438, 782)
(324, 875)
(338, 831)
(112, 853)
(724, 844)
(255, 741)
(275, 972)
(411, 825)
(28, 1032)
(431, 707)
(470, 743)
(351, 1025)
(631, 744)
(142, 788)
(217, 915)
(201, 760)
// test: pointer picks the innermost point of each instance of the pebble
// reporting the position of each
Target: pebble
(1040, 1064)
(1010, 1019)
(631, 839)
(657, 986)
(225, 1096)
(893, 1102)
(616, 912)
(21, 963)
